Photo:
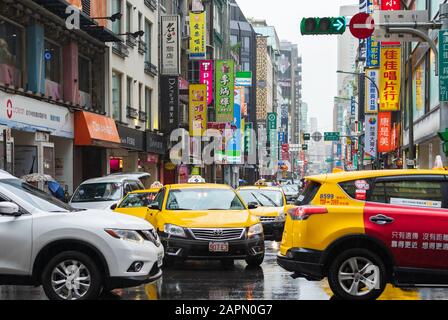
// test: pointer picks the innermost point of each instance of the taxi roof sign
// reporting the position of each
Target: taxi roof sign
(157, 185)
(196, 179)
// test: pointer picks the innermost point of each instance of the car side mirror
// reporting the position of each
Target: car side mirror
(154, 206)
(114, 206)
(9, 209)
(252, 205)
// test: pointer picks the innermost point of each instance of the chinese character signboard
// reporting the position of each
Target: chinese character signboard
(419, 89)
(373, 53)
(170, 45)
(234, 144)
(443, 62)
(224, 92)
(169, 85)
(206, 77)
(390, 5)
(272, 133)
(384, 131)
(371, 137)
(248, 127)
(371, 91)
(332, 136)
(198, 109)
(197, 35)
(390, 79)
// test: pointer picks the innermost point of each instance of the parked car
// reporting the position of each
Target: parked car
(201, 221)
(365, 229)
(104, 193)
(291, 192)
(74, 254)
(144, 177)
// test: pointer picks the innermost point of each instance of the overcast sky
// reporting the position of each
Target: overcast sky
(319, 53)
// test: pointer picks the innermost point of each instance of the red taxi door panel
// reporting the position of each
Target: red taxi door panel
(417, 236)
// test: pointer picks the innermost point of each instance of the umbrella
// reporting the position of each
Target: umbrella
(37, 177)
(56, 189)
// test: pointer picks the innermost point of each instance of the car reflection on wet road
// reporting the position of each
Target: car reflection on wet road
(204, 280)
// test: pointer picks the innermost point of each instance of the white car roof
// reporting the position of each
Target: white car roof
(6, 175)
(111, 179)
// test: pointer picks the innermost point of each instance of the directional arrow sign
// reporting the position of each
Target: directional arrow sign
(339, 24)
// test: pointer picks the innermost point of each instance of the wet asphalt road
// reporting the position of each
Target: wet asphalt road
(204, 280)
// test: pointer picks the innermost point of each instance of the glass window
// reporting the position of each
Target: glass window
(129, 92)
(116, 8)
(84, 74)
(217, 19)
(264, 198)
(148, 107)
(148, 35)
(128, 17)
(233, 40)
(35, 196)
(138, 200)
(203, 199)
(95, 192)
(11, 53)
(116, 96)
(160, 197)
(52, 62)
(246, 44)
(246, 66)
(419, 90)
(308, 194)
(140, 91)
(435, 7)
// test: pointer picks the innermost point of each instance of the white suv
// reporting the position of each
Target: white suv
(73, 254)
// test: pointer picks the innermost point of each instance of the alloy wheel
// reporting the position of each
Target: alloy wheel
(70, 280)
(358, 276)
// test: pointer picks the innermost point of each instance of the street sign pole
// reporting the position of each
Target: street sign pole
(443, 104)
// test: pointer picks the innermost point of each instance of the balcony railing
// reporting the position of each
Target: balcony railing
(151, 4)
(131, 41)
(142, 116)
(120, 49)
(150, 68)
(132, 113)
(142, 48)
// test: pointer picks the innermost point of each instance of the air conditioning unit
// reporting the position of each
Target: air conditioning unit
(186, 28)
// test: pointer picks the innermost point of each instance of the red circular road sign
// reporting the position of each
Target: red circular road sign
(362, 25)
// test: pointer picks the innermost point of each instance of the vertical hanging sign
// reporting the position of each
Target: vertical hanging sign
(198, 109)
(224, 91)
(371, 137)
(197, 35)
(390, 5)
(170, 64)
(206, 77)
(384, 131)
(373, 47)
(390, 79)
(372, 92)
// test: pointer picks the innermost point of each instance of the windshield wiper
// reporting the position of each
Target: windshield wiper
(258, 200)
(269, 199)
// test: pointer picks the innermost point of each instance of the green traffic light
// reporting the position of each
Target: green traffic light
(323, 26)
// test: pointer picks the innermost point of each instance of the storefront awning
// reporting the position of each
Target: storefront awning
(95, 130)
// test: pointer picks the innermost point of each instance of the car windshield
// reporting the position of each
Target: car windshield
(35, 197)
(290, 189)
(94, 192)
(203, 199)
(264, 198)
(138, 200)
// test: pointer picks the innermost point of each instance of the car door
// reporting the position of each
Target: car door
(409, 215)
(15, 243)
(153, 213)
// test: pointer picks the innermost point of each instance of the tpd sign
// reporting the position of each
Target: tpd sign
(362, 25)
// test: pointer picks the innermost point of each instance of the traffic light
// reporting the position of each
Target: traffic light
(317, 26)
(444, 137)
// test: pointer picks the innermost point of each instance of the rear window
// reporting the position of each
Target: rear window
(308, 195)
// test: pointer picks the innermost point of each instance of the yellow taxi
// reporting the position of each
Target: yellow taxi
(271, 207)
(200, 221)
(137, 203)
(363, 230)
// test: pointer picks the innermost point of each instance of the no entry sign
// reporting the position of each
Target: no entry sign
(362, 25)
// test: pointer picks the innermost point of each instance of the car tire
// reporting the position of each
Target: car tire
(349, 284)
(254, 262)
(86, 279)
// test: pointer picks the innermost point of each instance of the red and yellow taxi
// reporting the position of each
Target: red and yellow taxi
(363, 230)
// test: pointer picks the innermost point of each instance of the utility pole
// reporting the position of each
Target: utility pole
(443, 105)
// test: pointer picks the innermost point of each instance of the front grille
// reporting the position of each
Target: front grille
(218, 234)
(267, 219)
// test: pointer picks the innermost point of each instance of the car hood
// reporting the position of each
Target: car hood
(136, 212)
(100, 205)
(267, 211)
(112, 220)
(210, 219)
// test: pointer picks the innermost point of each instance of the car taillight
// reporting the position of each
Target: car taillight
(303, 213)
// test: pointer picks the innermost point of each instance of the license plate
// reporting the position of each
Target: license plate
(160, 260)
(218, 247)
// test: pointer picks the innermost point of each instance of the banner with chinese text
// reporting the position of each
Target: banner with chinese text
(371, 137)
(371, 91)
(170, 64)
(384, 131)
(197, 35)
(224, 90)
(206, 77)
(390, 79)
(198, 109)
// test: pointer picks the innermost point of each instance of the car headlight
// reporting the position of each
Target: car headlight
(175, 231)
(281, 217)
(152, 236)
(128, 235)
(255, 229)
